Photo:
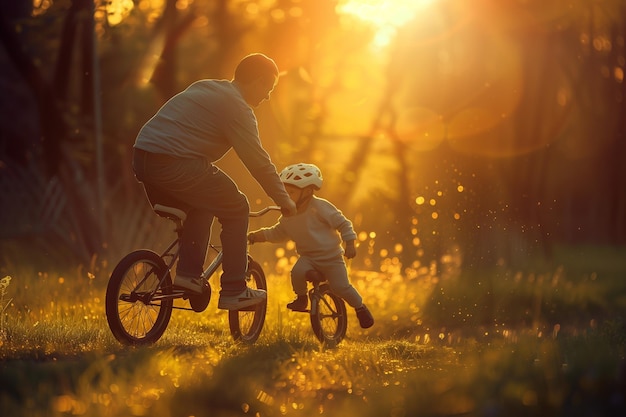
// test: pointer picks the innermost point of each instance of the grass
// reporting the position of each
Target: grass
(548, 340)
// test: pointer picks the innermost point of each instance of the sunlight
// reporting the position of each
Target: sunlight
(386, 15)
(117, 10)
(41, 6)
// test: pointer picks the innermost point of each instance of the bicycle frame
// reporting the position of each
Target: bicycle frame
(325, 305)
(140, 293)
(173, 251)
(314, 294)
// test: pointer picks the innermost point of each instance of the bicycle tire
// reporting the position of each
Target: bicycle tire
(246, 325)
(329, 318)
(131, 320)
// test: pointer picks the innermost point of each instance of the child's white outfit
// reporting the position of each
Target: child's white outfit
(318, 232)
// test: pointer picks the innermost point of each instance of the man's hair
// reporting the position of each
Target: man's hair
(255, 66)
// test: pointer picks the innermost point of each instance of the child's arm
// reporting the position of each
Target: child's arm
(332, 216)
(350, 251)
(335, 219)
(274, 234)
(256, 237)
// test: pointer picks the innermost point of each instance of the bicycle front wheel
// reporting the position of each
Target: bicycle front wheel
(246, 324)
(329, 318)
(138, 298)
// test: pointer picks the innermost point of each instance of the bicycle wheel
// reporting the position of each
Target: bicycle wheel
(329, 318)
(246, 324)
(134, 317)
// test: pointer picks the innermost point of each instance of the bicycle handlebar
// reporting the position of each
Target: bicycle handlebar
(263, 211)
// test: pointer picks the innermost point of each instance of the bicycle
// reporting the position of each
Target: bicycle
(328, 314)
(140, 294)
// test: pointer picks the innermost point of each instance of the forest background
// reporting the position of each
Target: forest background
(478, 133)
(478, 146)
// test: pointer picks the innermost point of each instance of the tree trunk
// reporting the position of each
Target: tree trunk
(53, 127)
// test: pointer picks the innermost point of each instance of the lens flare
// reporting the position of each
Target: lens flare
(387, 16)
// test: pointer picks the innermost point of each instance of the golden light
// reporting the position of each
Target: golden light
(117, 10)
(387, 16)
(40, 6)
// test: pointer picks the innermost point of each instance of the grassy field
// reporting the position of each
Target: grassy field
(547, 340)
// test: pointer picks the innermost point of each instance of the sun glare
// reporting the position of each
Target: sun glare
(117, 10)
(387, 16)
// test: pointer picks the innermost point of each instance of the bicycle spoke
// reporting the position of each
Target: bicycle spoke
(246, 324)
(329, 321)
(134, 314)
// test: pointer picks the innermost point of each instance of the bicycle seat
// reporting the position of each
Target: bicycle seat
(171, 213)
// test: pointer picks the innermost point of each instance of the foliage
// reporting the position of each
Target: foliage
(421, 357)
(4, 283)
(500, 100)
(466, 150)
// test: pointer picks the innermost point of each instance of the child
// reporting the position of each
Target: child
(317, 229)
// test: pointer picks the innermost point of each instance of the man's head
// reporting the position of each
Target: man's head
(256, 75)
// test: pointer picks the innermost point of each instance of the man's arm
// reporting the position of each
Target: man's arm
(243, 135)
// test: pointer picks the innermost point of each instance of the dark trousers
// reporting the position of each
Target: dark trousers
(204, 192)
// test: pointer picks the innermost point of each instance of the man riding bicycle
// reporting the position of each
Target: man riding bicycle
(173, 158)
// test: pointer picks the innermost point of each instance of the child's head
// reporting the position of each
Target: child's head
(301, 181)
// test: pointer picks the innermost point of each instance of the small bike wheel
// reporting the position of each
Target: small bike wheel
(329, 318)
(246, 324)
(138, 305)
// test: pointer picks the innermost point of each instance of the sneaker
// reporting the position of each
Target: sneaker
(299, 304)
(366, 320)
(247, 298)
(192, 284)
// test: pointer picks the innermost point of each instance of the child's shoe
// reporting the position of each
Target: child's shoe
(366, 320)
(299, 304)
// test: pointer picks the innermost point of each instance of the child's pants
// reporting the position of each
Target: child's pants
(334, 270)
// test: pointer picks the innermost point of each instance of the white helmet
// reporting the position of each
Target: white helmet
(302, 175)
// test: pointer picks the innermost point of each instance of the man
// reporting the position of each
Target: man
(173, 158)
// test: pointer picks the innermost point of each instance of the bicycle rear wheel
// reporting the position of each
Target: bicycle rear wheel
(329, 318)
(246, 324)
(134, 316)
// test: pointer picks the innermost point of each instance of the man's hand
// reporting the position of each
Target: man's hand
(350, 249)
(289, 209)
(257, 236)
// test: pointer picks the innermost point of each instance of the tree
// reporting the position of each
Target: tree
(55, 126)
(496, 128)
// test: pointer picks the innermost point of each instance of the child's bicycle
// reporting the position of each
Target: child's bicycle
(140, 295)
(329, 318)
(328, 315)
